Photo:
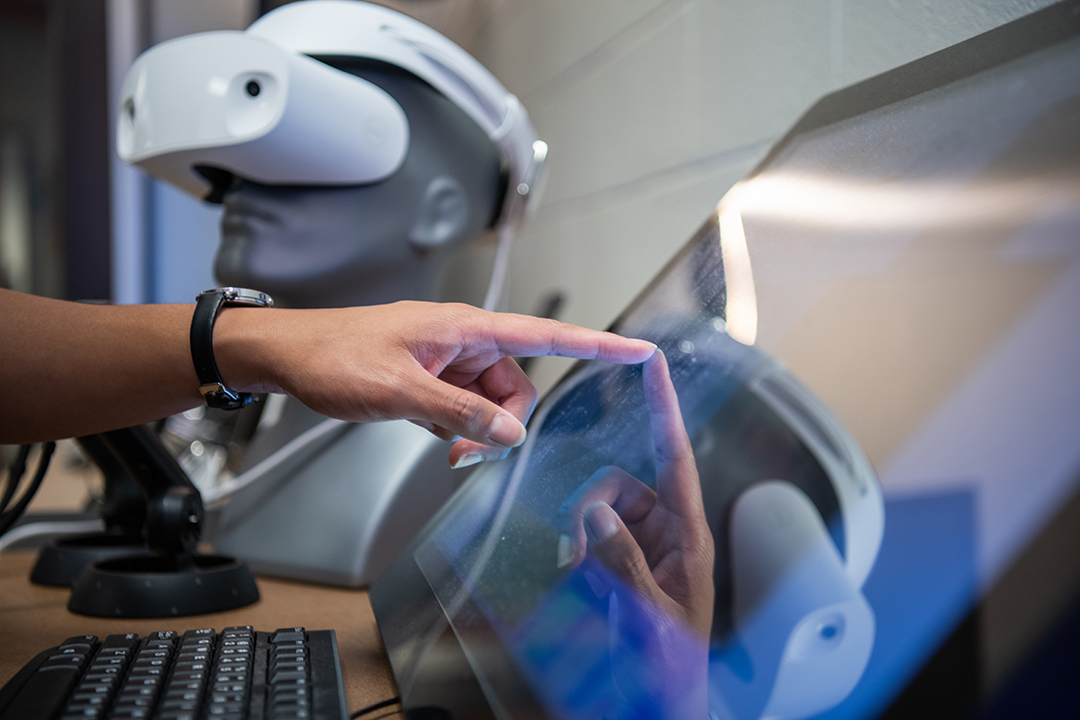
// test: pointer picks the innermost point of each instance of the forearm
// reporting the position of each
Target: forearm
(69, 369)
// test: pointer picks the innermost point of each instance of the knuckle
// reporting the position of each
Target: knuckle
(468, 410)
(455, 312)
(633, 568)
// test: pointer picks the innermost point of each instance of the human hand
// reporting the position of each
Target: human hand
(658, 551)
(446, 367)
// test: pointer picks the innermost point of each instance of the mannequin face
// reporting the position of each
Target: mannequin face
(281, 237)
(386, 241)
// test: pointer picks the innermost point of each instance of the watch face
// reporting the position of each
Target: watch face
(241, 296)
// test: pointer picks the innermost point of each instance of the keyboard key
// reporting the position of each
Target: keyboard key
(290, 714)
(138, 689)
(286, 701)
(192, 676)
(79, 639)
(159, 651)
(127, 641)
(281, 691)
(289, 652)
(289, 643)
(108, 676)
(166, 635)
(289, 635)
(84, 714)
(70, 661)
(90, 698)
(180, 705)
(207, 633)
(86, 688)
(76, 648)
(100, 661)
(226, 707)
(236, 643)
(233, 675)
(133, 701)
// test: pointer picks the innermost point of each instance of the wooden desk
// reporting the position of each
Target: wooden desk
(33, 618)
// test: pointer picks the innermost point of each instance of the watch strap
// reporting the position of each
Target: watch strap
(207, 307)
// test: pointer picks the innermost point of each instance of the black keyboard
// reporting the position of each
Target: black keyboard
(237, 674)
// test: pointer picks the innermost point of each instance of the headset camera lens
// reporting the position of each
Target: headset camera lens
(253, 88)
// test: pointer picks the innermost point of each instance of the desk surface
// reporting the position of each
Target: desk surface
(33, 618)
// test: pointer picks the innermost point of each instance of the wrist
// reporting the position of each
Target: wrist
(243, 349)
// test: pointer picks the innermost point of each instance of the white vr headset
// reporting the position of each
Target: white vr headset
(256, 105)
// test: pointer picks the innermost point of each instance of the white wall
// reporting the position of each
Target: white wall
(653, 108)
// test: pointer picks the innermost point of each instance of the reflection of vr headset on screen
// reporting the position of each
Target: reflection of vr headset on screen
(797, 518)
(794, 506)
(797, 608)
(412, 149)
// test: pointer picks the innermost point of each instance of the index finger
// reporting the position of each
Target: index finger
(677, 483)
(524, 336)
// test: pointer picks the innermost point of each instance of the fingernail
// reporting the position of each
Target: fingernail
(566, 553)
(506, 431)
(649, 346)
(467, 459)
(602, 521)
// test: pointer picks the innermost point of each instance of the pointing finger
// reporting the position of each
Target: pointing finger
(676, 474)
(524, 336)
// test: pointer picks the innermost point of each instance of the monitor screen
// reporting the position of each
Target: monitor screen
(881, 317)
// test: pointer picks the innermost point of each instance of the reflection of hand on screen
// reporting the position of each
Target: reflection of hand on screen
(657, 547)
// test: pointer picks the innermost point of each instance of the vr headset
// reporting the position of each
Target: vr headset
(257, 105)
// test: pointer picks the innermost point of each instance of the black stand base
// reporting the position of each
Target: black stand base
(160, 587)
(61, 561)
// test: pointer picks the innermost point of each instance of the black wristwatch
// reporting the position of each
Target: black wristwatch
(207, 306)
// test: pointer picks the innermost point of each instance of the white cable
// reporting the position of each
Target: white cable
(499, 268)
(325, 430)
(521, 202)
(49, 527)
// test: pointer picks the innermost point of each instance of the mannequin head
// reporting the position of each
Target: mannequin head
(325, 246)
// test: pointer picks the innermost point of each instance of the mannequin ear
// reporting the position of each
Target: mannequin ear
(442, 215)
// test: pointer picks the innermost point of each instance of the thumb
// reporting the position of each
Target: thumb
(615, 548)
(464, 413)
